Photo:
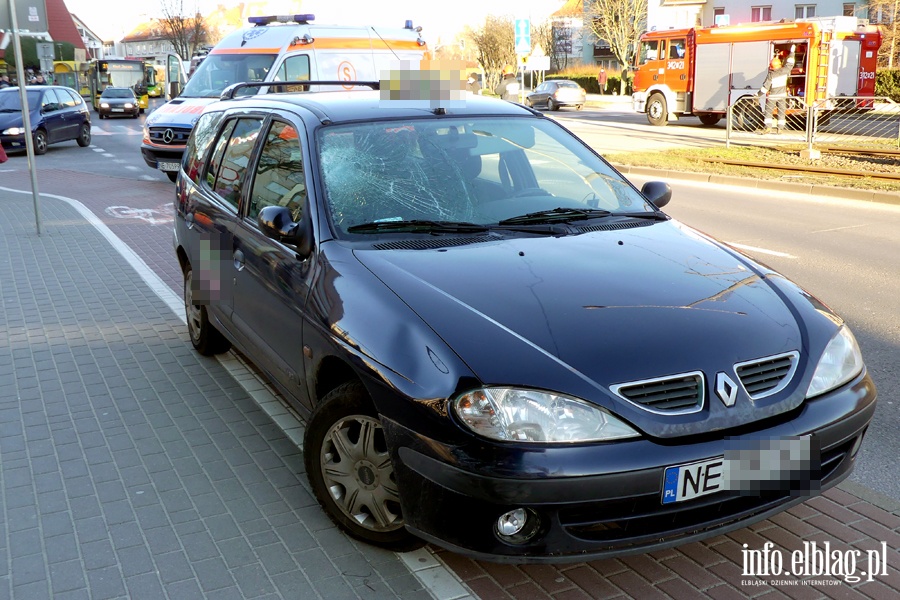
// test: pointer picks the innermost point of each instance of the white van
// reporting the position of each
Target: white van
(276, 48)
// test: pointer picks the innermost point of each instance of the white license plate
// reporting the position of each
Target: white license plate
(685, 482)
(168, 166)
(118, 110)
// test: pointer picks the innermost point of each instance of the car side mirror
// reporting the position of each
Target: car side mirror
(275, 222)
(657, 192)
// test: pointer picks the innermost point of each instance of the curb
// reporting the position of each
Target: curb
(766, 184)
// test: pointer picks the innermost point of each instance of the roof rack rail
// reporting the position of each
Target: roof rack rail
(229, 92)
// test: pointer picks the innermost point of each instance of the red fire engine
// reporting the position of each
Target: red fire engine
(703, 70)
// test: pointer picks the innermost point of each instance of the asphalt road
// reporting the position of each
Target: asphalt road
(844, 252)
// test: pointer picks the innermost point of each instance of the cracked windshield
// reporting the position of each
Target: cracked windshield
(479, 171)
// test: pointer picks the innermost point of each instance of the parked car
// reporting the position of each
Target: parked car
(118, 101)
(557, 93)
(500, 345)
(57, 114)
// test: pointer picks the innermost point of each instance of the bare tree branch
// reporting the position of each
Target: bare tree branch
(619, 23)
(495, 46)
(184, 28)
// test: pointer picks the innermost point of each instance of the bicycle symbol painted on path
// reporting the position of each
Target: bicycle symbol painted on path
(161, 215)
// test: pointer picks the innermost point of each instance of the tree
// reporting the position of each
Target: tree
(495, 46)
(886, 13)
(620, 24)
(185, 32)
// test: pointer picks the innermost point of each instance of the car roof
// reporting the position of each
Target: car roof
(341, 106)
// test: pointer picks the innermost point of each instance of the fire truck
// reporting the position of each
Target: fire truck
(702, 71)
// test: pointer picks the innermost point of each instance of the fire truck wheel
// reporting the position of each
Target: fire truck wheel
(709, 119)
(657, 112)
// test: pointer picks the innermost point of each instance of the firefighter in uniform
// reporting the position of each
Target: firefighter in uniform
(776, 87)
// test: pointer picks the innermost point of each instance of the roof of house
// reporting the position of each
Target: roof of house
(572, 8)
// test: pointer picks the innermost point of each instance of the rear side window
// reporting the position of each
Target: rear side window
(201, 138)
(69, 98)
(232, 170)
(280, 179)
(50, 102)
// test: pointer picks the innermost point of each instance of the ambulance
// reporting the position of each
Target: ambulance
(702, 71)
(275, 48)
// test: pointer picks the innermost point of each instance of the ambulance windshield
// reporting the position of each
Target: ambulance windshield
(218, 71)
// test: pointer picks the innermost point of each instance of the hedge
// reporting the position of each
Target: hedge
(887, 83)
(591, 86)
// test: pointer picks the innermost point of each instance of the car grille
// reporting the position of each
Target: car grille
(179, 135)
(676, 394)
(767, 376)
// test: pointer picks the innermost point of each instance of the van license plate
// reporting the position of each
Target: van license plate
(685, 482)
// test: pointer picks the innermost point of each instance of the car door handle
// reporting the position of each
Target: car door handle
(239, 260)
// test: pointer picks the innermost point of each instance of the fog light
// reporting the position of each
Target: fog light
(512, 522)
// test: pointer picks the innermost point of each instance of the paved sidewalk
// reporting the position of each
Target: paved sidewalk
(132, 467)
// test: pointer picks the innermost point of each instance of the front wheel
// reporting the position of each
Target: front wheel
(207, 340)
(40, 142)
(657, 111)
(350, 470)
(84, 136)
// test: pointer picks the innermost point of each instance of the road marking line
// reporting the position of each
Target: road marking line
(109, 155)
(97, 149)
(756, 250)
(838, 228)
(436, 577)
(132, 168)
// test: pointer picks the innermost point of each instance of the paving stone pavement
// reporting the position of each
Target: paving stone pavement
(131, 467)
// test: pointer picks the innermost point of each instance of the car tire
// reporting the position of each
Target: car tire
(709, 119)
(172, 175)
(551, 104)
(40, 142)
(657, 111)
(206, 339)
(84, 136)
(579, 106)
(354, 480)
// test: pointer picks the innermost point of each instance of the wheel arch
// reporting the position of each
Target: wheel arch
(667, 93)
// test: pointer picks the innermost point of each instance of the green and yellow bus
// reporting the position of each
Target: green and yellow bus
(117, 72)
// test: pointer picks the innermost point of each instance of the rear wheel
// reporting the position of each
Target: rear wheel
(657, 111)
(747, 117)
(84, 136)
(551, 104)
(350, 470)
(207, 340)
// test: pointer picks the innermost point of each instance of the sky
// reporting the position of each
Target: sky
(438, 19)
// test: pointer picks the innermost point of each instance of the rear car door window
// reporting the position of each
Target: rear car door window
(280, 178)
(50, 102)
(204, 132)
(235, 159)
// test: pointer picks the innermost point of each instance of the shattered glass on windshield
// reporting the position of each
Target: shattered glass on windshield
(477, 170)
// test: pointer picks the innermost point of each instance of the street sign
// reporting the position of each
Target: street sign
(45, 55)
(537, 63)
(523, 36)
(31, 15)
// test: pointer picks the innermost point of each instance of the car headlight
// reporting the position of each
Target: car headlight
(129, 105)
(519, 415)
(104, 105)
(841, 362)
(14, 131)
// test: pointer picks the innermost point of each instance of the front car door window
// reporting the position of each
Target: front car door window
(280, 179)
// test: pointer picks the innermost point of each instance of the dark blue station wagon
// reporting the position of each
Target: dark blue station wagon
(501, 345)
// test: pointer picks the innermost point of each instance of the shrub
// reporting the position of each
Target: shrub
(887, 83)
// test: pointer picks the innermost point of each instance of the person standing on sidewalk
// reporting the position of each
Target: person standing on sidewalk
(601, 80)
(776, 86)
(508, 89)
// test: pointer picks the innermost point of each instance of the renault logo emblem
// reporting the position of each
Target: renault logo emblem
(168, 136)
(726, 389)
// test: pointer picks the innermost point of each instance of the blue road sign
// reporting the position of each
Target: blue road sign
(523, 36)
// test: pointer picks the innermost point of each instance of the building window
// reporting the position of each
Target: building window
(761, 13)
(850, 9)
(804, 11)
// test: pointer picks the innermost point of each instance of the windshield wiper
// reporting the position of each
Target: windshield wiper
(656, 215)
(6, 110)
(557, 214)
(418, 225)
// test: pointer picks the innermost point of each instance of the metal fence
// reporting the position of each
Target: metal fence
(840, 122)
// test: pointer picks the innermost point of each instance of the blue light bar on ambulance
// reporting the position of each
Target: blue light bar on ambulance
(301, 19)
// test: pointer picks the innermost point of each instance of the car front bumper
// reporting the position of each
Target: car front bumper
(590, 502)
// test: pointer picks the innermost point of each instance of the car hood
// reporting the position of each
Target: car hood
(578, 314)
(14, 119)
(182, 112)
